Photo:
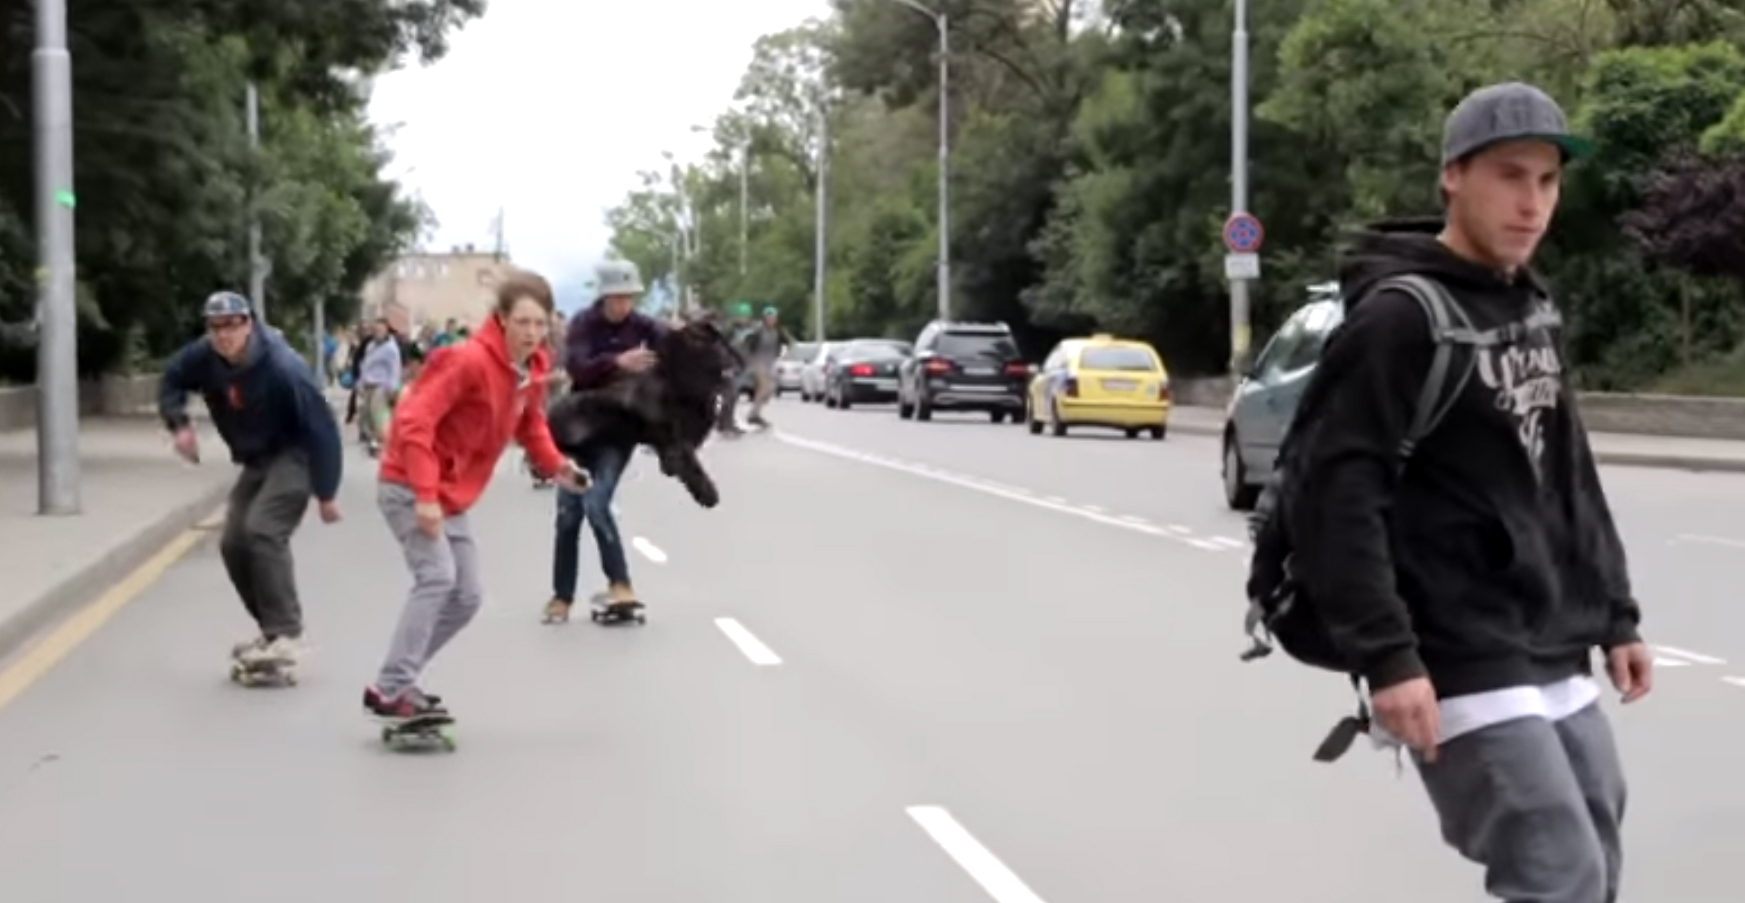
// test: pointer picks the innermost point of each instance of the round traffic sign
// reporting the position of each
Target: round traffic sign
(1243, 233)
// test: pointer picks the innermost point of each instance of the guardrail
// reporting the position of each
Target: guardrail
(109, 395)
(1603, 412)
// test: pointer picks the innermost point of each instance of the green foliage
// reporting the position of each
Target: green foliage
(165, 176)
(1090, 159)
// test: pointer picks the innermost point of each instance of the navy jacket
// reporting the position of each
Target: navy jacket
(595, 342)
(267, 404)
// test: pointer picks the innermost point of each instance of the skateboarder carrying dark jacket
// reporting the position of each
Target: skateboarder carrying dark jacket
(271, 412)
(606, 340)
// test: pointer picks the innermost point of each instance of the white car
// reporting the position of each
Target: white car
(813, 372)
(790, 367)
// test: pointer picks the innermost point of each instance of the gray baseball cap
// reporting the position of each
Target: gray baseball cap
(1510, 111)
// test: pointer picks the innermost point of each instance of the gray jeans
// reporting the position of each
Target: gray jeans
(266, 507)
(445, 595)
(1538, 804)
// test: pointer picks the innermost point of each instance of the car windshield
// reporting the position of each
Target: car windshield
(1117, 357)
(801, 351)
(990, 346)
(871, 351)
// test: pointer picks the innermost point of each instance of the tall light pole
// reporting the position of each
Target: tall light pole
(57, 350)
(744, 193)
(1239, 325)
(257, 269)
(744, 201)
(943, 24)
(820, 246)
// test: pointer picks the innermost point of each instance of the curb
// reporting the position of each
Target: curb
(76, 591)
(1651, 460)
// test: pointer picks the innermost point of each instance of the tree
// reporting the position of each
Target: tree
(165, 176)
(1090, 160)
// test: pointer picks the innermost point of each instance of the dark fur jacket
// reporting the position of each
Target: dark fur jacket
(669, 407)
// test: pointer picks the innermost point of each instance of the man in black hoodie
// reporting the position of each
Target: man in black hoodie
(1470, 589)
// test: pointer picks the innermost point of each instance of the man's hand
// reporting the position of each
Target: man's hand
(187, 444)
(1631, 669)
(1408, 711)
(573, 477)
(429, 518)
(329, 511)
(636, 360)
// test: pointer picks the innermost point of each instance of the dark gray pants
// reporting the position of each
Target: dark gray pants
(266, 507)
(1538, 804)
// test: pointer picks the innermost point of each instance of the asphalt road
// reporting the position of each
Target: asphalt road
(944, 662)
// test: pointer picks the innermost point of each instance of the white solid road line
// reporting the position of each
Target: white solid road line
(753, 648)
(982, 865)
(954, 480)
(648, 549)
(1711, 540)
(1735, 681)
(1696, 657)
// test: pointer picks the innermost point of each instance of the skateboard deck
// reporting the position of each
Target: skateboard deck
(420, 732)
(604, 611)
(269, 673)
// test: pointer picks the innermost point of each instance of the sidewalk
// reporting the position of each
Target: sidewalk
(1622, 449)
(135, 495)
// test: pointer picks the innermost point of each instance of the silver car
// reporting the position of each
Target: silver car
(1266, 399)
(791, 364)
(812, 372)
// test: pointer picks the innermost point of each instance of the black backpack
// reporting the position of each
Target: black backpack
(1280, 613)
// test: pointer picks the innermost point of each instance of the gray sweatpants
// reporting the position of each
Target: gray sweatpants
(266, 506)
(1538, 804)
(445, 589)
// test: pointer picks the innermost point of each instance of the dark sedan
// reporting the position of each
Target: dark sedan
(865, 373)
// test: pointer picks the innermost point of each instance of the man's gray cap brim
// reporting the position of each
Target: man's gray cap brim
(1508, 112)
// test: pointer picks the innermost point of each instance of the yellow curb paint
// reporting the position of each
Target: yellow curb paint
(36, 661)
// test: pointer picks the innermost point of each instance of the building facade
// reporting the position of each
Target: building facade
(427, 287)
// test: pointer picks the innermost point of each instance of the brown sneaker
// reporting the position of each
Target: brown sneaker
(557, 611)
(621, 594)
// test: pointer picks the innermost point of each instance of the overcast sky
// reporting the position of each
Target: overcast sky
(548, 108)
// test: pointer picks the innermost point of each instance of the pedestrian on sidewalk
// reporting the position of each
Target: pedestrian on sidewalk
(271, 412)
(1471, 587)
(609, 339)
(472, 399)
(379, 377)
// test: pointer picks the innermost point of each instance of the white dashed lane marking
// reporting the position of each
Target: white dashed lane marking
(648, 549)
(988, 871)
(751, 646)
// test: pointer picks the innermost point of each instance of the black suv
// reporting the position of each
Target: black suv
(963, 367)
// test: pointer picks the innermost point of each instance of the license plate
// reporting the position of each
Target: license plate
(980, 371)
(1120, 385)
(889, 385)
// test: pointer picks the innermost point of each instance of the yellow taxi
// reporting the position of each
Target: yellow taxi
(1100, 381)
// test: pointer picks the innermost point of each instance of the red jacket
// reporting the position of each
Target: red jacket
(453, 427)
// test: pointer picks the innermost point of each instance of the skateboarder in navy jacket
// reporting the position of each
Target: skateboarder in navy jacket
(271, 412)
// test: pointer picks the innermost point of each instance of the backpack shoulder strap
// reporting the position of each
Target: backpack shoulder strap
(1449, 326)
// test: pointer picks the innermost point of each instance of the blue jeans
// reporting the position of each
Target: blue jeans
(595, 507)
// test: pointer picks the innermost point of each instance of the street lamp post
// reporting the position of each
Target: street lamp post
(744, 201)
(1239, 316)
(943, 24)
(57, 378)
(820, 246)
(744, 193)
